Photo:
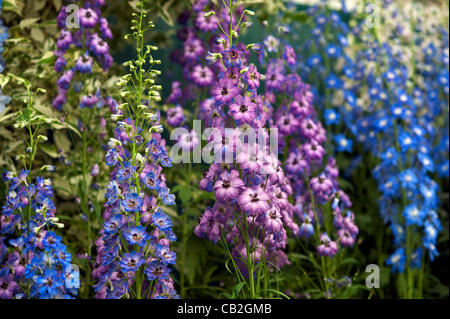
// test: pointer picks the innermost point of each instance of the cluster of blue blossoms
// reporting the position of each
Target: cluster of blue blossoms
(34, 261)
(133, 249)
(399, 122)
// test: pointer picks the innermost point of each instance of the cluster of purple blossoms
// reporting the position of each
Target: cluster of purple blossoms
(301, 140)
(134, 240)
(34, 263)
(248, 214)
(89, 33)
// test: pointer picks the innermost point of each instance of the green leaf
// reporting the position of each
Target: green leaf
(14, 6)
(238, 288)
(39, 4)
(25, 23)
(50, 150)
(20, 80)
(277, 292)
(37, 35)
(57, 4)
(3, 80)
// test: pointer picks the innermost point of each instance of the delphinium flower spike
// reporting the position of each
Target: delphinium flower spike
(134, 244)
(385, 88)
(34, 262)
(246, 218)
(318, 200)
(82, 60)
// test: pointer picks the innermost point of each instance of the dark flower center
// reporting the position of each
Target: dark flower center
(226, 184)
(132, 262)
(243, 108)
(136, 237)
(254, 198)
(132, 203)
(158, 271)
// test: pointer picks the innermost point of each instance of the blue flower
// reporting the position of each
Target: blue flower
(125, 172)
(113, 224)
(429, 195)
(333, 50)
(48, 284)
(399, 233)
(406, 141)
(112, 192)
(164, 253)
(431, 247)
(132, 202)
(413, 215)
(333, 82)
(427, 162)
(151, 181)
(161, 220)
(350, 98)
(314, 60)
(397, 260)
(382, 123)
(157, 271)
(166, 197)
(131, 261)
(443, 169)
(431, 232)
(331, 116)
(51, 240)
(391, 76)
(166, 161)
(112, 158)
(136, 235)
(390, 156)
(343, 144)
(408, 179)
